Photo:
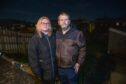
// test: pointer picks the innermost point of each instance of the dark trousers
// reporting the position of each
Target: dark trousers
(68, 76)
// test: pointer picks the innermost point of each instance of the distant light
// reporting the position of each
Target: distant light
(117, 23)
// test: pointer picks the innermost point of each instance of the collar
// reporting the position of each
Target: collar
(64, 32)
(41, 34)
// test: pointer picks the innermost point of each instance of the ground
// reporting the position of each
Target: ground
(11, 75)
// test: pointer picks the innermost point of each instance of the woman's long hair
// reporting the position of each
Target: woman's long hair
(39, 22)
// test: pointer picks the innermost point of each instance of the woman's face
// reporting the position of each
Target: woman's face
(45, 25)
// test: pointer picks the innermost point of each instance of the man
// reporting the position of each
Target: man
(41, 51)
(70, 50)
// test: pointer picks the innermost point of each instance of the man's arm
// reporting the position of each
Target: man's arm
(82, 50)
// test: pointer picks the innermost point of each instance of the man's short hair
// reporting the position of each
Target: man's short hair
(64, 13)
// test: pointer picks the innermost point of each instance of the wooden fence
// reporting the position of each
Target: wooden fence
(13, 41)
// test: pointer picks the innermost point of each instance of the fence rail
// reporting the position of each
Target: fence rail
(13, 41)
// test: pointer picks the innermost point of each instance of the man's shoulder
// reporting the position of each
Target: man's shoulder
(77, 31)
(74, 28)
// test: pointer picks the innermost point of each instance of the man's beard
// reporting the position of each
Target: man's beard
(65, 28)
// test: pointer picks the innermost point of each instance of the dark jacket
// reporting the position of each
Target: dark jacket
(70, 48)
(41, 55)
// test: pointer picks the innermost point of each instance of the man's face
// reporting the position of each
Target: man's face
(63, 21)
(45, 25)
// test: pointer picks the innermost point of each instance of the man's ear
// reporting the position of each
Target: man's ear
(69, 21)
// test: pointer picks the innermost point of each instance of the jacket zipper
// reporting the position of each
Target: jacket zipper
(51, 55)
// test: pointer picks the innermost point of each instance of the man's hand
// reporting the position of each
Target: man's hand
(76, 67)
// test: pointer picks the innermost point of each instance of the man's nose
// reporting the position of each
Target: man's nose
(64, 22)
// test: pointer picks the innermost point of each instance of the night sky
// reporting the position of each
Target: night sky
(31, 10)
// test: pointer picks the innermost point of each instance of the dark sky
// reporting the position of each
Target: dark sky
(31, 10)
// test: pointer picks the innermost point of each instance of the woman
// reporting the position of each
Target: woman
(41, 51)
